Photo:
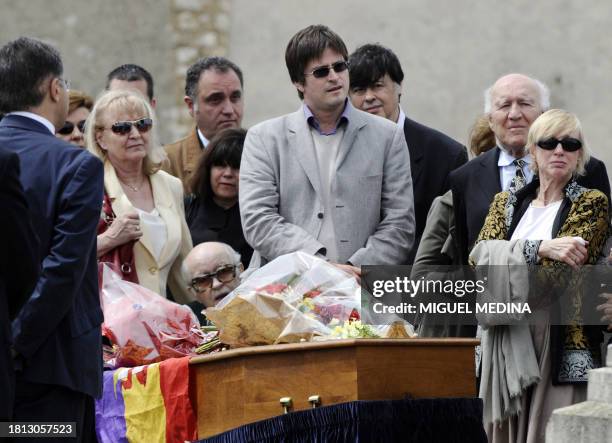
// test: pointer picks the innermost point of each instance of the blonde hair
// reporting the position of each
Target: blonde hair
(130, 101)
(555, 123)
(482, 137)
(78, 99)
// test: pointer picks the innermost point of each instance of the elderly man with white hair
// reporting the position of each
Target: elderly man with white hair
(213, 270)
(511, 105)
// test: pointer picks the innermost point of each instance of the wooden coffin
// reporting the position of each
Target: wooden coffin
(244, 385)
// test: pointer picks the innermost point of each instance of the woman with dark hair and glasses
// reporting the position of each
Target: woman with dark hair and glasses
(529, 369)
(212, 210)
(79, 107)
(142, 228)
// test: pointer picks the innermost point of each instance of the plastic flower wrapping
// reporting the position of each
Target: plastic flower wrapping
(293, 298)
(142, 326)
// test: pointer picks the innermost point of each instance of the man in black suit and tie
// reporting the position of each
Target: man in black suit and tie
(19, 268)
(376, 87)
(56, 335)
(511, 104)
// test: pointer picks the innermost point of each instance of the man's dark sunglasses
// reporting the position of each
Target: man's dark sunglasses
(323, 71)
(568, 144)
(224, 274)
(69, 127)
(123, 128)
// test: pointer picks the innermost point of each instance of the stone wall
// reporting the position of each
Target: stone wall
(201, 28)
(163, 36)
(450, 51)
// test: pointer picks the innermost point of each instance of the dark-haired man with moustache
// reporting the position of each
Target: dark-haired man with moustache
(376, 87)
(327, 179)
(214, 97)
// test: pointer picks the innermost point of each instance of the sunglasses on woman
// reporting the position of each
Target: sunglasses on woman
(122, 128)
(224, 274)
(323, 71)
(69, 127)
(568, 144)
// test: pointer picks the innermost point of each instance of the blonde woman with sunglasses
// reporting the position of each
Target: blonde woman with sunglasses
(553, 224)
(144, 205)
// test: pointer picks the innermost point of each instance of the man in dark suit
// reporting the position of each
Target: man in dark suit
(376, 87)
(511, 104)
(56, 336)
(19, 268)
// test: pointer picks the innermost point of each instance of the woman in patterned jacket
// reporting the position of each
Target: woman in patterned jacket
(558, 224)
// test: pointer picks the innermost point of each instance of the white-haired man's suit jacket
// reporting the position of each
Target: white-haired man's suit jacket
(280, 203)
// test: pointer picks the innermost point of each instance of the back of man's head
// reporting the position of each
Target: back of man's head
(369, 63)
(131, 73)
(309, 44)
(25, 65)
(219, 64)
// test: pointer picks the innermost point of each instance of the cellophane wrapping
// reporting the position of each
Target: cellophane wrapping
(143, 326)
(293, 298)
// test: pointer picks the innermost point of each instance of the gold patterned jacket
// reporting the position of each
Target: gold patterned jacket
(583, 213)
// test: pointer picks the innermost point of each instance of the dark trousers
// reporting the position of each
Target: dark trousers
(37, 402)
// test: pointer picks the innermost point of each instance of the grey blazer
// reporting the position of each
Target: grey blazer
(280, 202)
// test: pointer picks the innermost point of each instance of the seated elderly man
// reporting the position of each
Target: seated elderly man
(213, 270)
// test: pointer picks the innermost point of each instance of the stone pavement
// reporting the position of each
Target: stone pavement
(589, 421)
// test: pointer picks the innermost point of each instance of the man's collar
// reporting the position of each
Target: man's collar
(401, 118)
(203, 140)
(36, 117)
(505, 158)
(313, 122)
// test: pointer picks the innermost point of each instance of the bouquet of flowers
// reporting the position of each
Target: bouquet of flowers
(142, 326)
(293, 298)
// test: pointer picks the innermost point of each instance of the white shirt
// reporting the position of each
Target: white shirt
(537, 222)
(155, 226)
(36, 117)
(401, 118)
(203, 139)
(507, 170)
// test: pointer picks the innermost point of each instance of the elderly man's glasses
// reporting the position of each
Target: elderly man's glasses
(122, 128)
(69, 127)
(568, 144)
(323, 71)
(224, 274)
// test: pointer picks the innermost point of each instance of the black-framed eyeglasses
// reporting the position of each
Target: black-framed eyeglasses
(122, 128)
(224, 274)
(323, 71)
(569, 144)
(69, 127)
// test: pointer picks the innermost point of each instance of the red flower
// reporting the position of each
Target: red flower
(312, 294)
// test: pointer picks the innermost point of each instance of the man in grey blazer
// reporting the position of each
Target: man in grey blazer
(327, 179)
